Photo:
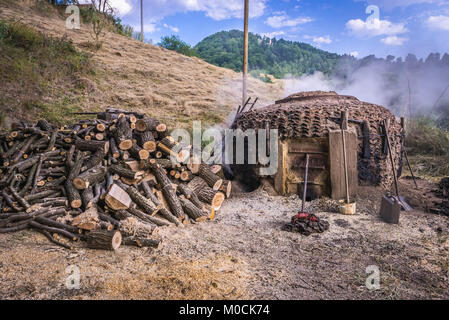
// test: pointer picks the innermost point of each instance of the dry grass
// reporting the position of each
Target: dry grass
(431, 168)
(136, 76)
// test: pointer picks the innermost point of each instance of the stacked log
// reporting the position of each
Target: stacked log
(103, 181)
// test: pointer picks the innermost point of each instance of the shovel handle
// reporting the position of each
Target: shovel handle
(391, 158)
(304, 193)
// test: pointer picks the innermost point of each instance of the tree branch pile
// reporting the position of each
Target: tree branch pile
(105, 181)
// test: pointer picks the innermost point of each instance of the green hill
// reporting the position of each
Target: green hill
(271, 56)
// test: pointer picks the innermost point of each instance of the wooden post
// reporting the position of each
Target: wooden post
(344, 127)
(141, 20)
(245, 53)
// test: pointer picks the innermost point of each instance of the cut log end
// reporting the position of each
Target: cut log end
(150, 146)
(217, 184)
(80, 184)
(161, 127)
(76, 204)
(125, 145)
(218, 200)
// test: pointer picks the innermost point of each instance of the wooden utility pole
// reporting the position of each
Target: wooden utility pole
(141, 20)
(245, 53)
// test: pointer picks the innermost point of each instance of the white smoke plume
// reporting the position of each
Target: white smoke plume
(405, 88)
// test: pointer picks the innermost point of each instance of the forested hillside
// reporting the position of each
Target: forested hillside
(271, 56)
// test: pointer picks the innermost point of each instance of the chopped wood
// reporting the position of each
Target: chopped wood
(212, 197)
(85, 177)
(89, 177)
(104, 240)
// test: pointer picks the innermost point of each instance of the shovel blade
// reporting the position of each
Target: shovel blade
(405, 206)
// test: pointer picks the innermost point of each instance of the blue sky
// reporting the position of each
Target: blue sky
(357, 27)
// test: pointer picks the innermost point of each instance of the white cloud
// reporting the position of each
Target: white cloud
(374, 27)
(394, 41)
(391, 4)
(438, 22)
(156, 10)
(174, 29)
(320, 40)
(123, 7)
(147, 28)
(355, 54)
(273, 34)
(281, 20)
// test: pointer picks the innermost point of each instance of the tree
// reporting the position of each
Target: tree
(176, 44)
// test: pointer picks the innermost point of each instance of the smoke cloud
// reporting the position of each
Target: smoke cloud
(407, 88)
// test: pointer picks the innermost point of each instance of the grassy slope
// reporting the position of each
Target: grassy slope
(127, 74)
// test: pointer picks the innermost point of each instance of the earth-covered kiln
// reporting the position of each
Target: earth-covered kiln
(310, 123)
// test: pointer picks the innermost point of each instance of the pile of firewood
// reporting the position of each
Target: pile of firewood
(107, 181)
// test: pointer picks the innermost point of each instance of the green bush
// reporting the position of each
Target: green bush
(176, 44)
(261, 76)
(425, 137)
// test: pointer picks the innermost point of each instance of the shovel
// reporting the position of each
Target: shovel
(304, 193)
(348, 207)
(390, 208)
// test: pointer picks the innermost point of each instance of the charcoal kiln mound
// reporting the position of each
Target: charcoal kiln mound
(310, 123)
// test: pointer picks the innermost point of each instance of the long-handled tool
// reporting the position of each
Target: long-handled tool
(390, 208)
(345, 164)
(306, 174)
(405, 153)
(348, 207)
(410, 169)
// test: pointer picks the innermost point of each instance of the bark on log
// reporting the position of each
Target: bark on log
(89, 177)
(192, 211)
(167, 215)
(96, 159)
(87, 197)
(73, 195)
(125, 173)
(167, 190)
(150, 195)
(212, 197)
(146, 124)
(114, 149)
(147, 218)
(197, 184)
(145, 204)
(189, 194)
(140, 242)
(92, 145)
(123, 134)
(147, 141)
(138, 152)
(211, 179)
(104, 240)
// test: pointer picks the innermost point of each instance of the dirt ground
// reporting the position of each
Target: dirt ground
(243, 254)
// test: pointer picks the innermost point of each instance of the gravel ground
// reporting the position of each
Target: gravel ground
(243, 254)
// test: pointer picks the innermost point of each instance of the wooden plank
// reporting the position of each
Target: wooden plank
(281, 175)
(337, 164)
